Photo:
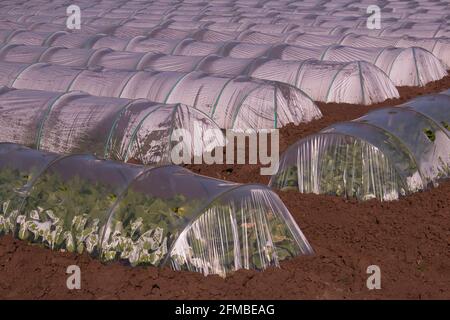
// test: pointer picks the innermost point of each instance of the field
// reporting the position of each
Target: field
(407, 238)
(87, 167)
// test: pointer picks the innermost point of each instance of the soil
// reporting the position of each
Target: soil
(408, 239)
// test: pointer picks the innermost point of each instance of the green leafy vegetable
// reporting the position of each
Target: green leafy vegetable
(430, 134)
(343, 169)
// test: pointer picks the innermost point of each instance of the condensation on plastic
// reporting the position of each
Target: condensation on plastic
(239, 102)
(387, 153)
(150, 215)
(355, 82)
(111, 128)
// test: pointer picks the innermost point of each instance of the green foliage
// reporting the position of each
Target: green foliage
(150, 223)
(70, 198)
(12, 182)
(72, 215)
(430, 134)
(77, 215)
(342, 170)
(264, 239)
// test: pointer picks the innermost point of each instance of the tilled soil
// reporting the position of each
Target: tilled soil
(408, 239)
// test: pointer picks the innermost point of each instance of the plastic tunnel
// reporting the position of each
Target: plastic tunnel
(422, 66)
(411, 66)
(385, 154)
(424, 18)
(355, 82)
(439, 47)
(405, 66)
(158, 216)
(111, 128)
(232, 102)
(19, 166)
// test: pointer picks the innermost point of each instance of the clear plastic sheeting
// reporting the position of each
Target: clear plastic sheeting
(233, 217)
(439, 47)
(435, 107)
(405, 66)
(191, 14)
(238, 102)
(168, 26)
(19, 166)
(71, 198)
(156, 216)
(385, 154)
(426, 141)
(335, 164)
(238, 10)
(112, 128)
(354, 82)
(408, 66)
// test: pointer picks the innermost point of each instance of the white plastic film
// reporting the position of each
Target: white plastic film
(385, 154)
(116, 211)
(112, 128)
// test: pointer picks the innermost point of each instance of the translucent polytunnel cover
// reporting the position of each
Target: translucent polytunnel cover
(164, 215)
(232, 102)
(385, 154)
(112, 128)
(356, 82)
(409, 66)
(19, 166)
(435, 107)
(73, 194)
(245, 228)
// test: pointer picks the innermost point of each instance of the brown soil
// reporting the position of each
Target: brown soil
(332, 113)
(408, 239)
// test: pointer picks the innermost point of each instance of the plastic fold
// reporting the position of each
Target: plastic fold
(111, 128)
(385, 154)
(237, 102)
(355, 82)
(158, 216)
